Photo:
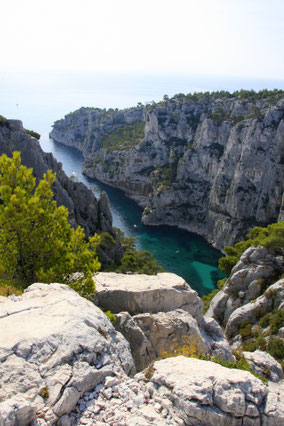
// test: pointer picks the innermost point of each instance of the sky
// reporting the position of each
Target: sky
(215, 37)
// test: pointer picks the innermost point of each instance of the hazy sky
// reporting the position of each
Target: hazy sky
(223, 37)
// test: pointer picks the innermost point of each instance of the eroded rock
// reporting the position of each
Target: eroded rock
(208, 394)
(157, 335)
(54, 346)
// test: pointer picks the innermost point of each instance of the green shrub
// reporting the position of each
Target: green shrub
(124, 137)
(276, 347)
(207, 298)
(33, 134)
(271, 237)
(37, 244)
(245, 329)
(274, 319)
(141, 262)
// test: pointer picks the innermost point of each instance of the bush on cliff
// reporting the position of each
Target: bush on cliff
(271, 237)
(36, 241)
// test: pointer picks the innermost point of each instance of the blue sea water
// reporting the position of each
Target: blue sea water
(38, 99)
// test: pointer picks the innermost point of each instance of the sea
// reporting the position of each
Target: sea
(40, 98)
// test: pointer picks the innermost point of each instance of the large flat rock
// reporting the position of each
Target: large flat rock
(54, 346)
(139, 293)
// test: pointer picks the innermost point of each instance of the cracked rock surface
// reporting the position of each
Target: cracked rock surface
(180, 391)
(138, 293)
(54, 346)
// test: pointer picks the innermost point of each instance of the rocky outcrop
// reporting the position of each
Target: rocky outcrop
(84, 208)
(54, 346)
(244, 291)
(204, 393)
(61, 361)
(154, 336)
(251, 311)
(158, 314)
(138, 293)
(211, 164)
(264, 364)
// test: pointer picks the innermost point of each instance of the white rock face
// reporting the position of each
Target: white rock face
(54, 346)
(140, 293)
(204, 393)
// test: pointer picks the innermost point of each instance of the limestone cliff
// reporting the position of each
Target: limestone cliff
(84, 208)
(211, 164)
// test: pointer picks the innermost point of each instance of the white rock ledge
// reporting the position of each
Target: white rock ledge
(139, 293)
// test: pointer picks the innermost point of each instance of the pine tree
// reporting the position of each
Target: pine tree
(36, 241)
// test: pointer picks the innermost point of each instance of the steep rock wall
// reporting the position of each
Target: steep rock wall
(210, 164)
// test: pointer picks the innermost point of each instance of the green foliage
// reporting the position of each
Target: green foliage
(255, 337)
(221, 283)
(245, 329)
(190, 347)
(219, 116)
(107, 241)
(255, 112)
(276, 347)
(45, 393)
(124, 137)
(206, 299)
(2, 121)
(141, 262)
(163, 177)
(274, 320)
(8, 289)
(126, 242)
(36, 241)
(240, 363)
(271, 237)
(33, 134)
(110, 316)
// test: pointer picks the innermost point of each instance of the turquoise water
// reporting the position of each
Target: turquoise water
(178, 251)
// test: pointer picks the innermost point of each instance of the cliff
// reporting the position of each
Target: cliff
(84, 208)
(210, 164)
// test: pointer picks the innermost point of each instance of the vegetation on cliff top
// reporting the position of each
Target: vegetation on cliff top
(124, 137)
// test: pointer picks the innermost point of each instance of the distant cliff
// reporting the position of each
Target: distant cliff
(84, 208)
(209, 163)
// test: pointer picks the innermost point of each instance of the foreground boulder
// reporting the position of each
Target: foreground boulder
(54, 346)
(204, 393)
(139, 293)
(182, 391)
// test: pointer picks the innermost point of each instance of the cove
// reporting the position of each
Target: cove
(178, 251)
